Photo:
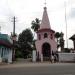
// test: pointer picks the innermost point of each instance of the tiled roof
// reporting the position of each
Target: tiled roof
(72, 37)
(5, 39)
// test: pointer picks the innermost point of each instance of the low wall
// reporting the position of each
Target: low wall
(64, 57)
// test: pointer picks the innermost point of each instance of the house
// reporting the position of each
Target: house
(5, 48)
(73, 39)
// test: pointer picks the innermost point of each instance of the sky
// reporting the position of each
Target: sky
(27, 10)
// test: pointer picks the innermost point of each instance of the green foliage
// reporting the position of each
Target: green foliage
(18, 54)
(60, 40)
(25, 41)
(57, 36)
(35, 24)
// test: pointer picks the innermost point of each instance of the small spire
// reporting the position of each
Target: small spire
(45, 5)
(45, 24)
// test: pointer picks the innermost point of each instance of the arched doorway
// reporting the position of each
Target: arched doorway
(46, 51)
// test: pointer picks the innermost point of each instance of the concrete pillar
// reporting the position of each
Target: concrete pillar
(34, 56)
(41, 57)
(10, 56)
(0, 55)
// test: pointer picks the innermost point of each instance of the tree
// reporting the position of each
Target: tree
(57, 36)
(61, 41)
(35, 24)
(25, 41)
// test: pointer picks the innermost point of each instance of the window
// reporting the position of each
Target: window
(39, 37)
(51, 36)
(45, 35)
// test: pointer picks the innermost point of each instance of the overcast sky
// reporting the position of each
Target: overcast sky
(27, 10)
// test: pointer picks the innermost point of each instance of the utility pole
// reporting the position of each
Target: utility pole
(14, 38)
(66, 26)
(14, 34)
(14, 20)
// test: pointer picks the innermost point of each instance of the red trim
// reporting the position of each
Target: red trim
(5, 43)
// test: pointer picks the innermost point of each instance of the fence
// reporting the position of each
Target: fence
(66, 57)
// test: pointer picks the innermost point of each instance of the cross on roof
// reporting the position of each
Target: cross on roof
(45, 3)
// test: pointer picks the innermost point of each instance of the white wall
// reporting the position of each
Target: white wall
(10, 56)
(0, 56)
(34, 56)
(6, 54)
(66, 57)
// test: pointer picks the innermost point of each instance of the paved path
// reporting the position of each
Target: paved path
(38, 69)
